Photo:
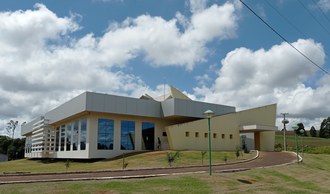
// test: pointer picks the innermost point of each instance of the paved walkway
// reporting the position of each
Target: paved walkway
(265, 159)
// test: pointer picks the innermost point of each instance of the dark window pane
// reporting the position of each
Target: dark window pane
(127, 135)
(57, 144)
(68, 136)
(105, 134)
(83, 129)
(75, 135)
(62, 137)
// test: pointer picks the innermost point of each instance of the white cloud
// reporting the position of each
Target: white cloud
(324, 5)
(163, 43)
(42, 65)
(22, 32)
(203, 79)
(197, 5)
(253, 78)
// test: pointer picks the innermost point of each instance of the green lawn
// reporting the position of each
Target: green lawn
(311, 144)
(310, 177)
(142, 160)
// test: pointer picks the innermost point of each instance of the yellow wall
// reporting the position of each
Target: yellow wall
(228, 124)
(267, 141)
(265, 115)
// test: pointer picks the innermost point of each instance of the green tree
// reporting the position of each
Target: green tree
(11, 126)
(301, 127)
(16, 149)
(4, 144)
(325, 128)
(313, 132)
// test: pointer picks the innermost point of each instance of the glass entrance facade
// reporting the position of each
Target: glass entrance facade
(148, 136)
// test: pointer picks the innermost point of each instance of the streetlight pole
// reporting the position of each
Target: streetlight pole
(284, 129)
(302, 150)
(209, 114)
(302, 133)
(295, 127)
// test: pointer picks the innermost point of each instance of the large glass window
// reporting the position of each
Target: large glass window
(62, 137)
(28, 144)
(75, 135)
(57, 136)
(127, 135)
(83, 129)
(68, 136)
(148, 136)
(105, 134)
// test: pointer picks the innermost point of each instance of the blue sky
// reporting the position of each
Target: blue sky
(215, 51)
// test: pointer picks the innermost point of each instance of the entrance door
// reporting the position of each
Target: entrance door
(257, 140)
(148, 136)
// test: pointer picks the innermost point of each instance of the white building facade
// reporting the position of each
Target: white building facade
(94, 125)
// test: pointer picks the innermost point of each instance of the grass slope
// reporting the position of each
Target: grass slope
(142, 160)
(309, 177)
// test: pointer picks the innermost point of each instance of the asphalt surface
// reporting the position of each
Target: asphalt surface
(265, 159)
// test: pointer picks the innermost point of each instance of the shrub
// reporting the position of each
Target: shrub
(203, 156)
(225, 158)
(237, 151)
(67, 164)
(172, 157)
(278, 147)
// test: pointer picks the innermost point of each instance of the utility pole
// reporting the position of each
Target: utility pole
(284, 129)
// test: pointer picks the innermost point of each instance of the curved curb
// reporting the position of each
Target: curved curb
(285, 164)
(271, 166)
(153, 175)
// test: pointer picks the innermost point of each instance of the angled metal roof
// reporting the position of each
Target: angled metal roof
(178, 105)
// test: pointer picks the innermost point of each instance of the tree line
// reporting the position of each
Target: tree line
(324, 129)
(11, 146)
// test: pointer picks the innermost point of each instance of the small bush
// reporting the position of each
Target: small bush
(67, 164)
(203, 156)
(171, 157)
(225, 158)
(278, 147)
(238, 149)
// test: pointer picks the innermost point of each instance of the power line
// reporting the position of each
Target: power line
(315, 19)
(302, 54)
(287, 20)
(323, 13)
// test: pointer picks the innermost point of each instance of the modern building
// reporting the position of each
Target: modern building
(94, 125)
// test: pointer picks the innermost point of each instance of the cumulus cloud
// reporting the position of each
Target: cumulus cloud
(42, 64)
(324, 4)
(197, 5)
(250, 78)
(163, 43)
